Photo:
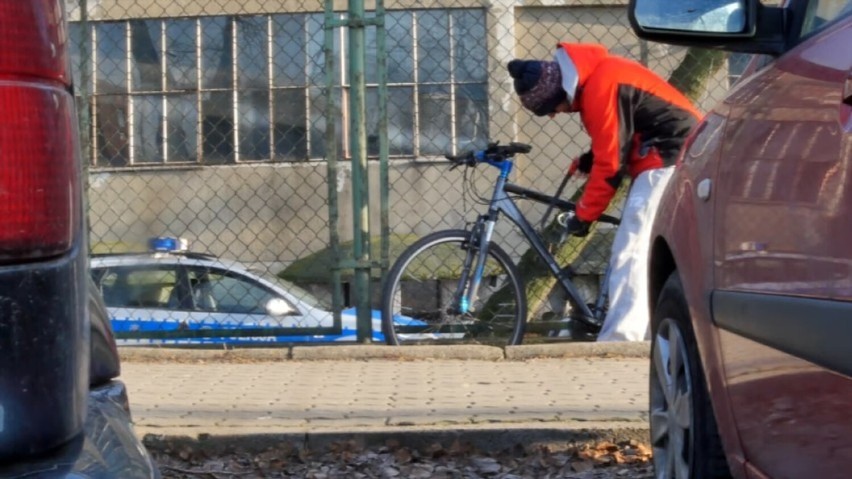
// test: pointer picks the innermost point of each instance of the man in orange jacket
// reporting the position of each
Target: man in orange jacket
(637, 123)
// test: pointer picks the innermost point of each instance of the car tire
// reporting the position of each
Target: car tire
(684, 435)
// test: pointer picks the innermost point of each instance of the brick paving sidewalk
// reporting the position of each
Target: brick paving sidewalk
(220, 398)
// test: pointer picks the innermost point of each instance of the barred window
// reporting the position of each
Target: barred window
(241, 89)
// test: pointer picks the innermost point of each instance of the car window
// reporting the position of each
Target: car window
(298, 292)
(135, 287)
(820, 13)
(223, 292)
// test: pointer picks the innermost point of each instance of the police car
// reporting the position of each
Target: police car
(172, 289)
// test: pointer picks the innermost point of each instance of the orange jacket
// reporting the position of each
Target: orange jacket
(623, 105)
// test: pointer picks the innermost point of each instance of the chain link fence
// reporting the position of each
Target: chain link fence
(206, 120)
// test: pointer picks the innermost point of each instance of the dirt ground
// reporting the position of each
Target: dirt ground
(600, 460)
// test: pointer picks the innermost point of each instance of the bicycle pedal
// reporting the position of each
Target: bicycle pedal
(577, 330)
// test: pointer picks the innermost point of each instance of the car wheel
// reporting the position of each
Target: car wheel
(684, 435)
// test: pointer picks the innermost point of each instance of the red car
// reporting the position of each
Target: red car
(751, 264)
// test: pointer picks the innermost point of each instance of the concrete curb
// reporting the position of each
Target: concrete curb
(337, 353)
(580, 350)
(383, 352)
(488, 438)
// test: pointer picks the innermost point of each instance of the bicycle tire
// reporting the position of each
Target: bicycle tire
(419, 288)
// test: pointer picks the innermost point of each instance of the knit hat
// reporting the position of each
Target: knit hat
(538, 84)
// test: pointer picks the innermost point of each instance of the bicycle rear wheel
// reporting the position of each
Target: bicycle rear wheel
(418, 299)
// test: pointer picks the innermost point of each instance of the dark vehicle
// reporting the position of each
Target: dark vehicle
(62, 412)
(751, 269)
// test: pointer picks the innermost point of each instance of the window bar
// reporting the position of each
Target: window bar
(416, 54)
(344, 89)
(269, 84)
(235, 90)
(199, 122)
(93, 100)
(163, 87)
(131, 107)
(453, 86)
(306, 91)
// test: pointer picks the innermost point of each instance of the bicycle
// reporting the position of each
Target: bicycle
(463, 286)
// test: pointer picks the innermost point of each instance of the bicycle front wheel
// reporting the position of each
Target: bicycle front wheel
(420, 300)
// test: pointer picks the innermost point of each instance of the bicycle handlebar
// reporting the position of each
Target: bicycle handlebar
(495, 152)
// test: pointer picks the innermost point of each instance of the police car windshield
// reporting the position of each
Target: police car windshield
(297, 291)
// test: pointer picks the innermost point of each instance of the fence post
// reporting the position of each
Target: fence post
(360, 178)
(331, 164)
(360, 262)
(384, 181)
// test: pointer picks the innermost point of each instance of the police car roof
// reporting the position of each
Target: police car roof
(131, 259)
(157, 254)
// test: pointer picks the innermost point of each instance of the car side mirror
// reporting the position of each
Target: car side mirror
(279, 307)
(745, 26)
(697, 16)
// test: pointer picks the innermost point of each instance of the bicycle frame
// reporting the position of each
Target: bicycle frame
(502, 202)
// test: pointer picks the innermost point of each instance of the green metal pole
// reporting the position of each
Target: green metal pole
(384, 183)
(331, 163)
(83, 90)
(85, 85)
(360, 184)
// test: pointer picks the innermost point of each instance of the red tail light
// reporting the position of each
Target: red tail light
(33, 39)
(39, 158)
(39, 177)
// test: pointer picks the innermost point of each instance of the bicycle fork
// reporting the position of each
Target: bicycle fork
(466, 292)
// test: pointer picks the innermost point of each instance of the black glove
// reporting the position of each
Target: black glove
(577, 227)
(584, 162)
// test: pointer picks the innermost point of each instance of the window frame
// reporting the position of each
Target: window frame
(127, 150)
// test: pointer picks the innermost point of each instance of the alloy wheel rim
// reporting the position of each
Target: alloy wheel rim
(671, 403)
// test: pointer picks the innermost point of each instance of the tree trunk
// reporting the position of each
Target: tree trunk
(698, 66)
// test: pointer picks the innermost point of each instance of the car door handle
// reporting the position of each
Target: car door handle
(847, 90)
(704, 188)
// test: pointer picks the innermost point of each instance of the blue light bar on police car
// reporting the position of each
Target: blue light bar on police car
(168, 243)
